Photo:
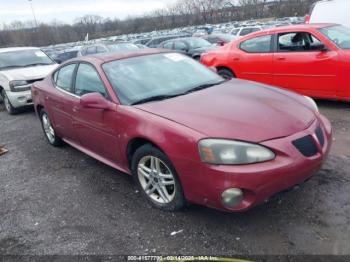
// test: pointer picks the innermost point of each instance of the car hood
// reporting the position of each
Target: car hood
(28, 73)
(237, 109)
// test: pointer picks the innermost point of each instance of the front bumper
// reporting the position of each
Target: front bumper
(203, 184)
(20, 99)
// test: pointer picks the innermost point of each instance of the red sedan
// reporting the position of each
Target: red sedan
(182, 131)
(313, 59)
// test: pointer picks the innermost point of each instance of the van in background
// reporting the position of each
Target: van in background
(330, 11)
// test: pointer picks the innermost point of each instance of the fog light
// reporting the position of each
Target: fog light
(232, 197)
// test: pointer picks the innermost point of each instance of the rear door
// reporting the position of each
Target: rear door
(62, 101)
(253, 61)
(300, 66)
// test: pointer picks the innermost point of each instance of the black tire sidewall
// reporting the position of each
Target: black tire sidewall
(227, 73)
(148, 150)
(12, 110)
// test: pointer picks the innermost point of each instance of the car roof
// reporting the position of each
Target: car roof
(299, 27)
(288, 28)
(108, 57)
(13, 49)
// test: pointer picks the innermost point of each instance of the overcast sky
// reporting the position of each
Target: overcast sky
(67, 10)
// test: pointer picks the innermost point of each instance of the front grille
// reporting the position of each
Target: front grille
(320, 136)
(306, 146)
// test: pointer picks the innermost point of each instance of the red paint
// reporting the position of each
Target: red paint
(235, 110)
(319, 74)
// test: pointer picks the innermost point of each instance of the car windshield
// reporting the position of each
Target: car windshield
(197, 43)
(339, 35)
(158, 76)
(122, 47)
(25, 58)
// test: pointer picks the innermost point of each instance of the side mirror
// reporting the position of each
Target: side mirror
(96, 101)
(220, 43)
(320, 47)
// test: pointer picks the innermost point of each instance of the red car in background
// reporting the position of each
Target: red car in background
(313, 59)
(182, 131)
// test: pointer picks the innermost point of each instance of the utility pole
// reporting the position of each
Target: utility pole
(31, 6)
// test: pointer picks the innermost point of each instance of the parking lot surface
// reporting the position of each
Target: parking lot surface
(60, 201)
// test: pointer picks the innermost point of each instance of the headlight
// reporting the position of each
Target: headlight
(312, 103)
(229, 152)
(19, 85)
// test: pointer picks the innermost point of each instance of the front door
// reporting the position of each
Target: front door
(96, 128)
(299, 65)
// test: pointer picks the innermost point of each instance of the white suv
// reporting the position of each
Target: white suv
(19, 68)
(242, 31)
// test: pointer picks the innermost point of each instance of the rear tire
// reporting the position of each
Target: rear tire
(49, 132)
(226, 73)
(8, 106)
(157, 179)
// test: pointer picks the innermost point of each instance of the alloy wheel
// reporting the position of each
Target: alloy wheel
(156, 179)
(49, 132)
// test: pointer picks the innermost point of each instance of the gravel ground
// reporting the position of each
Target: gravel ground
(60, 201)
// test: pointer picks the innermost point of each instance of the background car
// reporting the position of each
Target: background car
(219, 39)
(191, 46)
(65, 55)
(154, 42)
(107, 47)
(310, 59)
(184, 133)
(19, 68)
(242, 31)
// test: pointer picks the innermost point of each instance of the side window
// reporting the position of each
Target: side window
(260, 44)
(297, 42)
(213, 40)
(91, 50)
(88, 81)
(101, 49)
(181, 46)
(234, 31)
(168, 45)
(245, 31)
(63, 77)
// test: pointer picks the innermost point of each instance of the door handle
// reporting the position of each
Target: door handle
(75, 109)
(281, 58)
(236, 59)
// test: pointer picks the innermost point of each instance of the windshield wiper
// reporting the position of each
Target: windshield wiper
(163, 97)
(153, 98)
(36, 64)
(9, 67)
(204, 86)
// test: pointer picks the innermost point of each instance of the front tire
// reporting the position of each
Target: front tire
(8, 106)
(49, 132)
(157, 179)
(226, 73)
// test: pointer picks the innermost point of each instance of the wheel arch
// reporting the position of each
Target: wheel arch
(135, 143)
(226, 68)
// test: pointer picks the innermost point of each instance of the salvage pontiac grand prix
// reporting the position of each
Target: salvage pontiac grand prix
(184, 133)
